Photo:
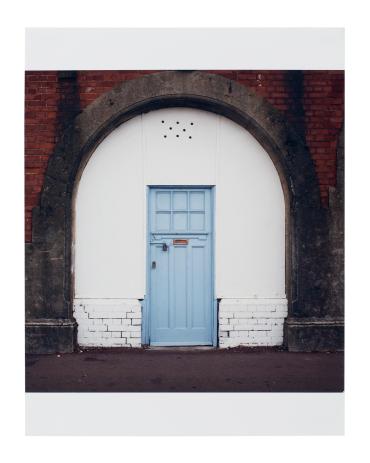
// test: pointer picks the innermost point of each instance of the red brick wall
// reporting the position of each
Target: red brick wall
(324, 116)
(314, 100)
(41, 103)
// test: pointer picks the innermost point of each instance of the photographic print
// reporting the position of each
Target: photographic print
(184, 230)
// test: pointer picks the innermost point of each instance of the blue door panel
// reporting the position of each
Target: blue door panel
(180, 302)
(197, 200)
(180, 200)
(199, 286)
(180, 267)
(180, 221)
(197, 221)
(161, 287)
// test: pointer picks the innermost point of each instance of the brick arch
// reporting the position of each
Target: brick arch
(49, 309)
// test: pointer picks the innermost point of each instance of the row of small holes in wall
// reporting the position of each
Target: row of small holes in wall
(183, 130)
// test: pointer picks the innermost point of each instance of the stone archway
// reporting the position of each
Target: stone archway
(50, 326)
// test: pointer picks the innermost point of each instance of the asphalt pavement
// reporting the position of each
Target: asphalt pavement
(185, 370)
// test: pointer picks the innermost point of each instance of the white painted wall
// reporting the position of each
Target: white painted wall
(110, 208)
(250, 218)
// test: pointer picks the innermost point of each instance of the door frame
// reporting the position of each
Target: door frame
(146, 306)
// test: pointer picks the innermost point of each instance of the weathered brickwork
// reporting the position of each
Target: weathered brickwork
(41, 103)
(108, 323)
(313, 100)
(324, 118)
(251, 322)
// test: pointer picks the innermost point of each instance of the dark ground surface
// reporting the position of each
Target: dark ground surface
(185, 370)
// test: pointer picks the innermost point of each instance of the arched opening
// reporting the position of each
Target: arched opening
(51, 326)
(172, 148)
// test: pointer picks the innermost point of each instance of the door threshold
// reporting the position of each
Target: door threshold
(181, 348)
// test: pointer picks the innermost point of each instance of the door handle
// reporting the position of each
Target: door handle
(154, 264)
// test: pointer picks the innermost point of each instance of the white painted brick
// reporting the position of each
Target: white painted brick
(101, 322)
(225, 327)
(109, 314)
(227, 344)
(82, 315)
(112, 327)
(98, 328)
(249, 322)
(277, 328)
(134, 308)
(276, 315)
(242, 315)
(275, 341)
(103, 342)
(248, 327)
(263, 326)
(113, 321)
(96, 314)
(258, 335)
(94, 336)
(244, 321)
(134, 341)
(133, 315)
(108, 306)
(263, 314)
(232, 308)
(131, 328)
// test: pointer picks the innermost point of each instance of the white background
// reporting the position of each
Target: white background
(186, 49)
(270, 13)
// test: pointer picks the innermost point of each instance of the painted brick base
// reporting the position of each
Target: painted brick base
(242, 322)
(251, 322)
(108, 322)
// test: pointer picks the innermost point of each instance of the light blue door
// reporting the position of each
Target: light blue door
(180, 267)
